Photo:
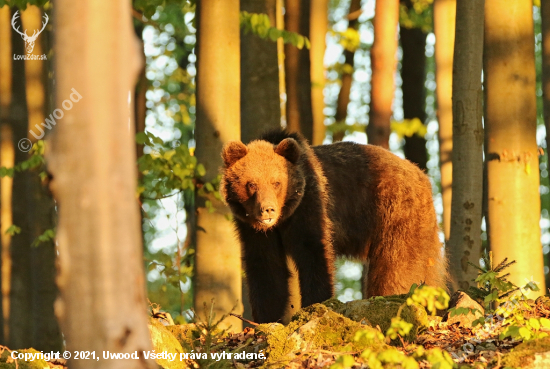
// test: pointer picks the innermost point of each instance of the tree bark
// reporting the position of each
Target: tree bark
(297, 71)
(413, 74)
(511, 151)
(6, 160)
(545, 21)
(384, 63)
(260, 106)
(347, 78)
(102, 305)
(444, 28)
(465, 241)
(217, 260)
(318, 35)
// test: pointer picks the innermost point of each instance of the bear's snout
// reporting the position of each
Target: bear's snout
(269, 214)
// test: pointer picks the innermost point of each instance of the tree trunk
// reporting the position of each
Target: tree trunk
(444, 28)
(217, 260)
(318, 34)
(545, 20)
(20, 310)
(465, 241)
(413, 74)
(511, 152)
(260, 106)
(92, 158)
(40, 209)
(384, 63)
(297, 71)
(347, 77)
(6, 160)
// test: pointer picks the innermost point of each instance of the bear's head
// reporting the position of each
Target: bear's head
(262, 183)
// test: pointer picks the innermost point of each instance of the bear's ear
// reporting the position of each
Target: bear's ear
(233, 151)
(289, 149)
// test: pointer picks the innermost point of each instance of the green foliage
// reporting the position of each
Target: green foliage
(36, 160)
(432, 298)
(408, 128)
(419, 16)
(260, 25)
(47, 236)
(13, 230)
(349, 39)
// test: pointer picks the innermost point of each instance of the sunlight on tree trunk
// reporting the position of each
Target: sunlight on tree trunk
(297, 71)
(102, 303)
(6, 160)
(511, 151)
(347, 74)
(465, 240)
(218, 254)
(280, 24)
(444, 28)
(318, 34)
(384, 63)
(260, 106)
(545, 20)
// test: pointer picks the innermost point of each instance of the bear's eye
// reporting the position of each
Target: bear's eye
(251, 187)
(276, 184)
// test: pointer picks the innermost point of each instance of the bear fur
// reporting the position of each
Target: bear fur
(311, 204)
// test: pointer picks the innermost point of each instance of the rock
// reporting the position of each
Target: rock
(316, 327)
(7, 362)
(380, 310)
(163, 340)
(533, 354)
(462, 300)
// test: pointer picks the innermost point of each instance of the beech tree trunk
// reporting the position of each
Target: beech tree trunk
(299, 115)
(92, 158)
(545, 20)
(413, 74)
(218, 254)
(444, 28)
(6, 160)
(260, 106)
(511, 150)
(318, 35)
(347, 77)
(384, 63)
(465, 242)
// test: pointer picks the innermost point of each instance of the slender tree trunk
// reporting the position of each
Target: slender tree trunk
(318, 33)
(413, 74)
(545, 20)
(217, 260)
(260, 107)
(297, 71)
(511, 152)
(92, 159)
(20, 325)
(384, 63)
(465, 241)
(40, 205)
(444, 28)
(347, 77)
(6, 159)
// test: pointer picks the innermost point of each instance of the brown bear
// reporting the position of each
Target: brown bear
(310, 204)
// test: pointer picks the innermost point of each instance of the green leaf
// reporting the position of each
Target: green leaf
(13, 230)
(141, 138)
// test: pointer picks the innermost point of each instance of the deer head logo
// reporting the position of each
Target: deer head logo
(29, 40)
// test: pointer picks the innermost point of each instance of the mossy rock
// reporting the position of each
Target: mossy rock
(21, 364)
(333, 304)
(533, 354)
(184, 333)
(164, 340)
(315, 327)
(379, 312)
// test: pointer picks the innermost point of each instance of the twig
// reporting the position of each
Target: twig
(244, 320)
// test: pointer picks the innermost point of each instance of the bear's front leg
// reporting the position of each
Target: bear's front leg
(267, 274)
(315, 265)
